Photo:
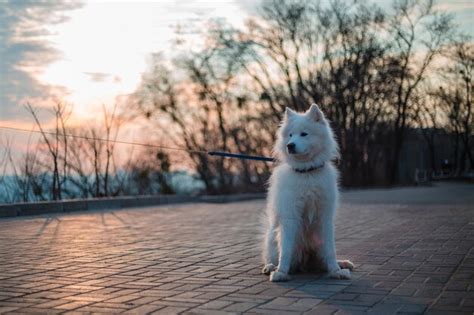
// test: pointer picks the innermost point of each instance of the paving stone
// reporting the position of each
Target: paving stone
(205, 259)
(208, 312)
(170, 310)
(215, 305)
(385, 308)
(7, 309)
(413, 308)
(144, 309)
(34, 310)
(240, 307)
(100, 310)
(52, 303)
(72, 305)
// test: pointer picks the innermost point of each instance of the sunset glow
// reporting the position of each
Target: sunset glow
(103, 48)
(105, 98)
(92, 54)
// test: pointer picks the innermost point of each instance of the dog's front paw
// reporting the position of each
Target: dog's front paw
(345, 264)
(340, 274)
(278, 276)
(268, 268)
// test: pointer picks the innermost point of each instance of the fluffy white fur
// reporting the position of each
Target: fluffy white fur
(301, 207)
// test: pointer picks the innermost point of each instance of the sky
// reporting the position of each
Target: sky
(94, 53)
(90, 53)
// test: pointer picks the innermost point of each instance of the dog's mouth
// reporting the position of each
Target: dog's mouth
(300, 156)
(297, 155)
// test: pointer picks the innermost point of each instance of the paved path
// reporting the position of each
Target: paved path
(411, 257)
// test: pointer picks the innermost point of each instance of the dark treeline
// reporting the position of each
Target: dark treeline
(57, 166)
(376, 73)
(381, 76)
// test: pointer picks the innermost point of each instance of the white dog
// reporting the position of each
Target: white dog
(302, 200)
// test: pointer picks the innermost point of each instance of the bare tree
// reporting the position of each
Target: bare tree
(342, 66)
(362, 64)
(112, 125)
(429, 115)
(92, 163)
(80, 161)
(420, 34)
(150, 173)
(5, 152)
(57, 146)
(206, 108)
(23, 176)
(456, 95)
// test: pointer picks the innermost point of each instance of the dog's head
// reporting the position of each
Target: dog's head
(305, 138)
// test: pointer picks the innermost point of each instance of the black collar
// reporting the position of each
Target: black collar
(310, 169)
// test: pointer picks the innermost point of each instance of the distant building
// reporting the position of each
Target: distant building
(448, 159)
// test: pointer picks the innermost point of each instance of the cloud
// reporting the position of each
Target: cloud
(462, 11)
(250, 6)
(98, 76)
(25, 50)
(454, 6)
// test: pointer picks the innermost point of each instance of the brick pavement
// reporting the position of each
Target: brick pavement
(204, 259)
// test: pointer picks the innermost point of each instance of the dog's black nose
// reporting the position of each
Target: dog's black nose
(291, 147)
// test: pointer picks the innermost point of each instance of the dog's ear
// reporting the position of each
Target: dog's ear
(315, 113)
(289, 113)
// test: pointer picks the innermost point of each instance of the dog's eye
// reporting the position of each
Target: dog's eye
(303, 134)
(291, 135)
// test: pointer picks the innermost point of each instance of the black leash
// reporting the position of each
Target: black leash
(211, 153)
(241, 156)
